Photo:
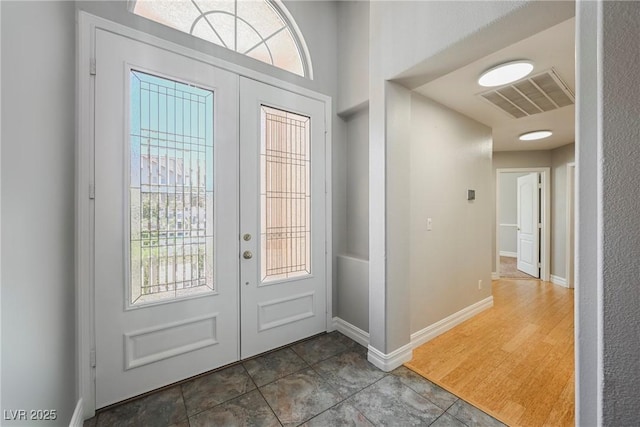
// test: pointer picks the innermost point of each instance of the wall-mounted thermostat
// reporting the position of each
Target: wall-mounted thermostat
(471, 194)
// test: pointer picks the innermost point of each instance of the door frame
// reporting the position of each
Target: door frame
(88, 24)
(545, 208)
(570, 222)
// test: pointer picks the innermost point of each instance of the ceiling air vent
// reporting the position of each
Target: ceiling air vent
(533, 95)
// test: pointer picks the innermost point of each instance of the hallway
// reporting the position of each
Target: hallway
(515, 360)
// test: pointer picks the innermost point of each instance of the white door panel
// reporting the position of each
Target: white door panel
(166, 218)
(209, 246)
(528, 234)
(283, 280)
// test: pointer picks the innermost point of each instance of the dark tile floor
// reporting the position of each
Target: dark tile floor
(325, 381)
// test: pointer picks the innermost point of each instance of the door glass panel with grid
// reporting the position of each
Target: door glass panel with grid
(282, 165)
(166, 202)
(285, 196)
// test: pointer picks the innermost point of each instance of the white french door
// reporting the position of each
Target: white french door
(209, 243)
(528, 243)
(282, 217)
(166, 215)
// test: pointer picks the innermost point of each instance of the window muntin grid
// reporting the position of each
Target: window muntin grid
(170, 189)
(285, 194)
(256, 28)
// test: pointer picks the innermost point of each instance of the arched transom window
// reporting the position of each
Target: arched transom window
(261, 29)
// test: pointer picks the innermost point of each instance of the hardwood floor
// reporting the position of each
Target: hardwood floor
(514, 361)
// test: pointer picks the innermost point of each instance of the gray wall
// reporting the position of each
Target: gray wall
(560, 158)
(353, 54)
(508, 211)
(353, 263)
(358, 184)
(450, 153)
(352, 254)
(38, 309)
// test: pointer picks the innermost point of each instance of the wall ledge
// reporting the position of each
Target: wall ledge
(347, 112)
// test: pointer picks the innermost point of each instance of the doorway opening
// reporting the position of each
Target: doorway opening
(509, 226)
(469, 100)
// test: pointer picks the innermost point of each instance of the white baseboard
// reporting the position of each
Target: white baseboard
(389, 362)
(556, 280)
(509, 254)
(438, 328)
(76, 419)
(353, 332)
(495, 275)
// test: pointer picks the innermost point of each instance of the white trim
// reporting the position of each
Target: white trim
(570, 209)
(495, 275)
(328, 207)
(0, 214)
(557, 280)
(85, 344)
(449, 322)
(353, 332)
(545, 241)
(77, 420)
(85, 45)
(301, 43)
(509, 254)
(389, 362)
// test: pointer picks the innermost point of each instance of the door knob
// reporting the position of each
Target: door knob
(247, 255)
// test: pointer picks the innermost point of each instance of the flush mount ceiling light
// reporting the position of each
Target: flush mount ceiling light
(537, 134)
(505, 73)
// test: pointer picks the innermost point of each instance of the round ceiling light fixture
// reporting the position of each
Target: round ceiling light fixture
(536, 134)
(505, 73)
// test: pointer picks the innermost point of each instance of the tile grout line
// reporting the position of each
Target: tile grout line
(223, 402)
(262, 395)
(184, 403)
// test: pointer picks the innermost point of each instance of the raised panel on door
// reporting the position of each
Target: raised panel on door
(528, 236)
(283, 218)
(166, 218)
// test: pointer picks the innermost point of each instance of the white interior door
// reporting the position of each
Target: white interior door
(166, 218)
(282, 179)
(528, 233)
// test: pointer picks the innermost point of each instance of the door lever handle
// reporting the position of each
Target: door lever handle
(247, 255)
